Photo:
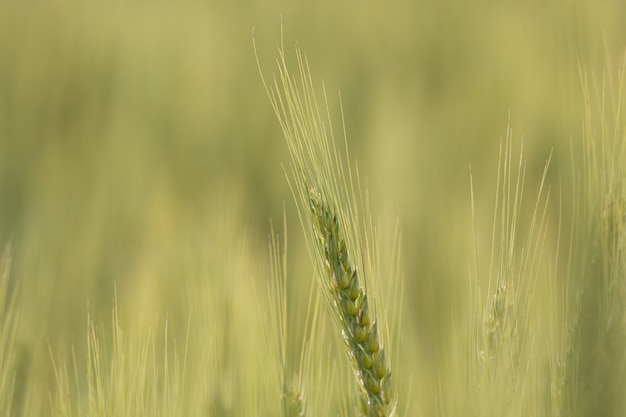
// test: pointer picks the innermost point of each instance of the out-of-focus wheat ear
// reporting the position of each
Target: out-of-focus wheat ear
(293, 401)
(292, 390)
(353, 314)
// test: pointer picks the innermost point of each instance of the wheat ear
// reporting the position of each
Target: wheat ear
(322, 183)
(349, 303)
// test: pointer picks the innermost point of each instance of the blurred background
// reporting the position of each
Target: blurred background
(139, 153)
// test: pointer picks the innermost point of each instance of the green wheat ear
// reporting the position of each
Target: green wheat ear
(349, 303)
(340, 239)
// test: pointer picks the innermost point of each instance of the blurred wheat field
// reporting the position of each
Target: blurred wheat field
(141, 163)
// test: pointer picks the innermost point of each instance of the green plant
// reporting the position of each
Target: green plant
(344, 255)
(293, 400)
(504, 354)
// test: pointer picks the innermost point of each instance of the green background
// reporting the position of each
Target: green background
(138, 146)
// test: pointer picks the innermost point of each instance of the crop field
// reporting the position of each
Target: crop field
(332, 208)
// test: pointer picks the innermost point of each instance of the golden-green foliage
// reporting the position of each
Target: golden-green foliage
(132, 375)
(140, 164)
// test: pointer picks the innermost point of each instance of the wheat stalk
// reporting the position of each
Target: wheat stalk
(344, 255)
